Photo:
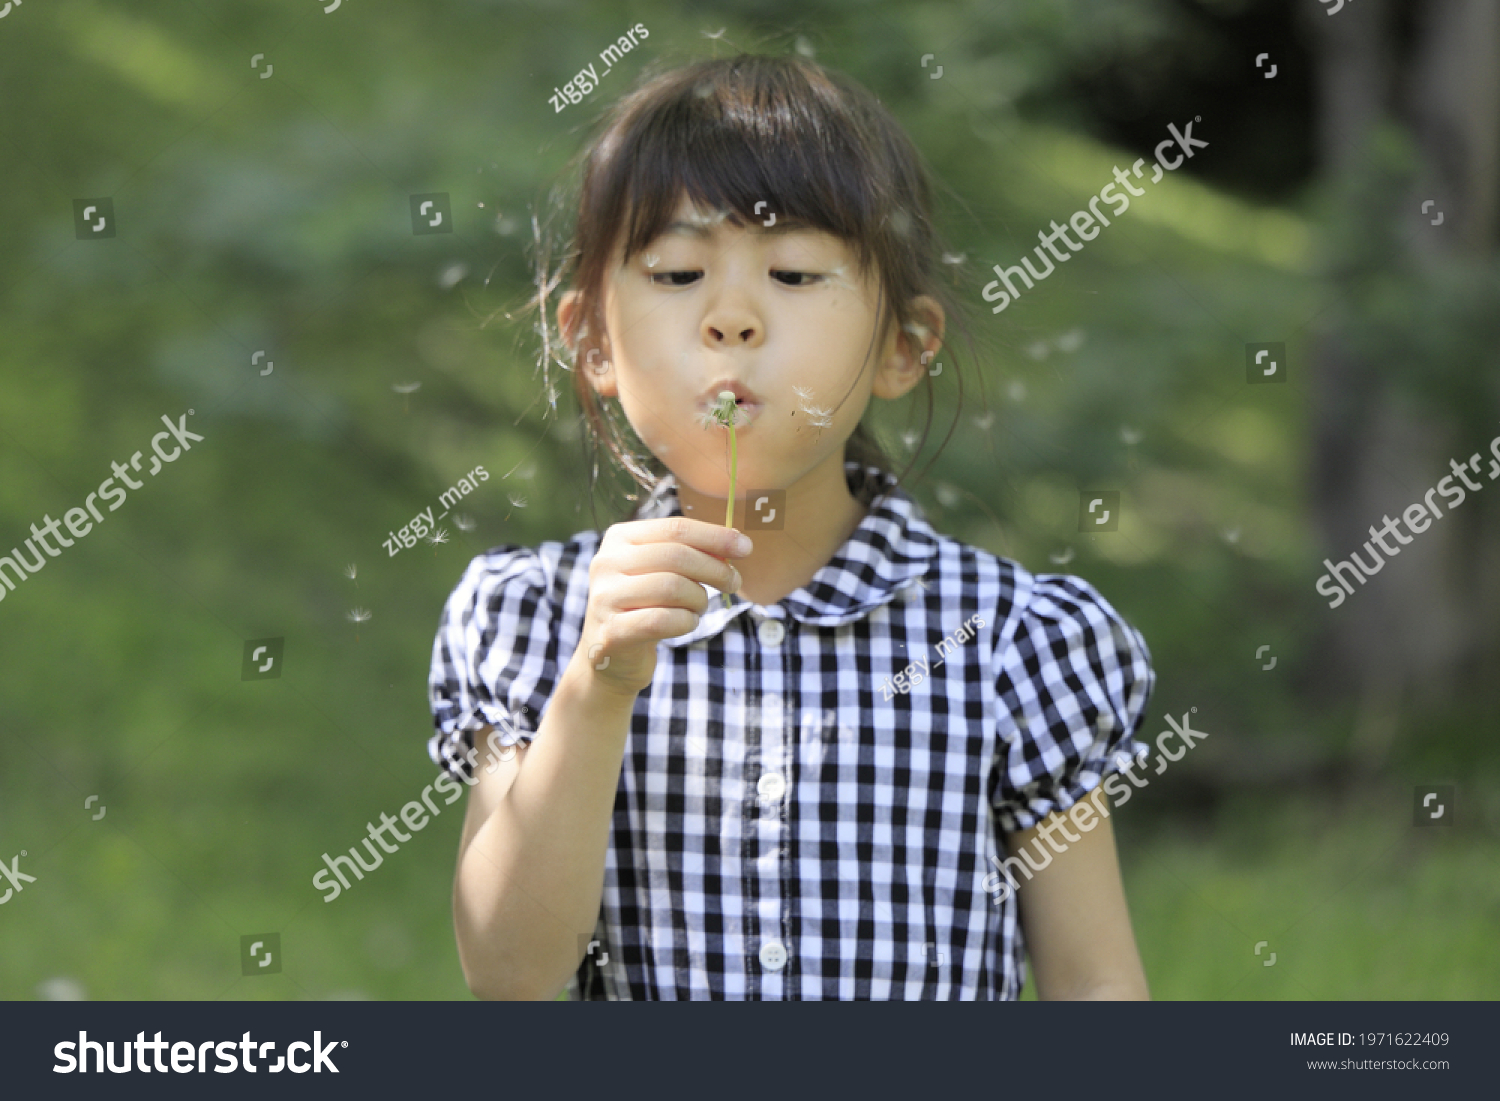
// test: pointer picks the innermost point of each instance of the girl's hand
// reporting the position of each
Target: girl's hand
(644, 586)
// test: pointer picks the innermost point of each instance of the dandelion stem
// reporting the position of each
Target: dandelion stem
(729, 515)
(724, 413)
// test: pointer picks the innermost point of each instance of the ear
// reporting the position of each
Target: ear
(903, 365)
(589, 351)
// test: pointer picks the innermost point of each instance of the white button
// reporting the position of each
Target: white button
(770, 632)
(773, 955)
(771, 786)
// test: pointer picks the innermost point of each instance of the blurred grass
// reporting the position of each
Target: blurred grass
(1354, 901)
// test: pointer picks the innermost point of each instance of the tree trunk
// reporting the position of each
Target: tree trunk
(1410, 634)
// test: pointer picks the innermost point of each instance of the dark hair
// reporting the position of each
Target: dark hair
(731, 133)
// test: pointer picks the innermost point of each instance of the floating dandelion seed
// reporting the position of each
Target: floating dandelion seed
(1070, 341)
(351, 571)
(1038, 349)
(1016, 390)
(356, 617)
(1130, 436)
(1231, 535)
(714, 34)
(652, 259)
(983, 421)
(947, 496)
(1062, 557)
(955, 257)
(407, 389)
(909, 439)
(464, 521)
(817, 417)
(517, 500)
(436, 538)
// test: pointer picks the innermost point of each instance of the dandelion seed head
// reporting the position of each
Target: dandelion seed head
(359, 615)
(351, 571)
(406, 387)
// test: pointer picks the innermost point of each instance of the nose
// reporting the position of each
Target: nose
(732, 323)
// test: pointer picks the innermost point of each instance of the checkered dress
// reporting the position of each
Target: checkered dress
(792, 820)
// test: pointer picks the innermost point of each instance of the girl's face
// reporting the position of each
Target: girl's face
(782, 313)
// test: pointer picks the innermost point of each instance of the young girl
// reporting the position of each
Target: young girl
(805, 788)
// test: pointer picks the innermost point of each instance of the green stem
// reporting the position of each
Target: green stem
(725, 415)
(729, 515)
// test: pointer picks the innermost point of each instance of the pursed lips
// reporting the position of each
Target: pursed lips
(747, 405)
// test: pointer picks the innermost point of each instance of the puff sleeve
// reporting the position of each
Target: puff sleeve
(493, 660)
(1072, 684)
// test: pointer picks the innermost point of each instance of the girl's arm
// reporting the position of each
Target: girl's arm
(531, 859)
(1073, 913)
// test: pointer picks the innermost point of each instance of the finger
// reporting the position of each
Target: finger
(709, 538)
(685, 561)
(650, 623)
(661, 590)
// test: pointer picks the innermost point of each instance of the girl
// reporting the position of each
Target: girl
(800, 790)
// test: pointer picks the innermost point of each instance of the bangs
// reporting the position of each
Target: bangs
(760, 134)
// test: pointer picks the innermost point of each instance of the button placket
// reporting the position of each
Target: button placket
(766, 811)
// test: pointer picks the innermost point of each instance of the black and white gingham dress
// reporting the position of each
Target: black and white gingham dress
(789, 824)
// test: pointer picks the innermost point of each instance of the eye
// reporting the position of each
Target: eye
(657, 277)
(806, 278)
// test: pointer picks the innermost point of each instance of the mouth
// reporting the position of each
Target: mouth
(747, 403)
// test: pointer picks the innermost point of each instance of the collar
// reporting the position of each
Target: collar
(885, 557)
